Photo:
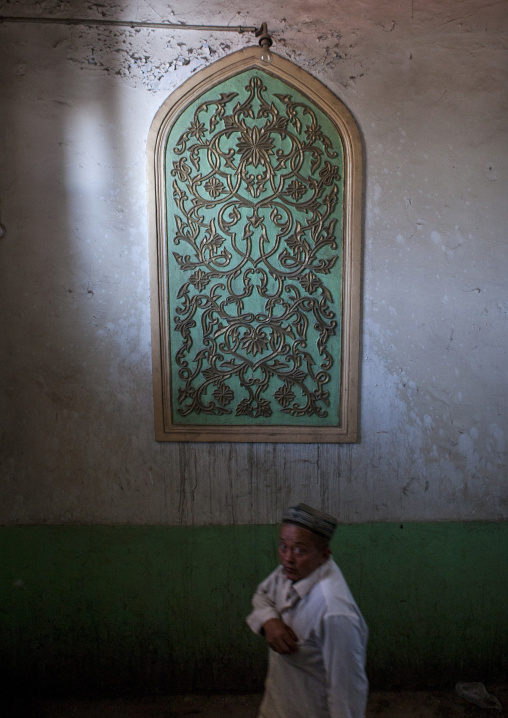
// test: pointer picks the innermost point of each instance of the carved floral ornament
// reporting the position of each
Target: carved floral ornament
(255, 175)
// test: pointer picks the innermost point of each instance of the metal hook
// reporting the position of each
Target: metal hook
(265, 39)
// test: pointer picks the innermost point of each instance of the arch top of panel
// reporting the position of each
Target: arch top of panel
(249, 58)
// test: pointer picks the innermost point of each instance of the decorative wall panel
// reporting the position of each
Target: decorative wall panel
(256, 239)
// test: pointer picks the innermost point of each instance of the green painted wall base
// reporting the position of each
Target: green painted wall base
(161, 609)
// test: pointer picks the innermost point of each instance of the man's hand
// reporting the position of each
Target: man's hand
(280, 637)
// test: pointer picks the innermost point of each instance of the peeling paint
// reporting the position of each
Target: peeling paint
(427, 86)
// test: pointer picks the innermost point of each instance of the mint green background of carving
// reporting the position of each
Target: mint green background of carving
(254, 303)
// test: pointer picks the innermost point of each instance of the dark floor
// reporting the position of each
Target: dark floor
(389, 704)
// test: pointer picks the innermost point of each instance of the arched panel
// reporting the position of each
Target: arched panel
(256, 243)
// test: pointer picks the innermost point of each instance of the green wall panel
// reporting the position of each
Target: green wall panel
(129, 608)
(254, 183)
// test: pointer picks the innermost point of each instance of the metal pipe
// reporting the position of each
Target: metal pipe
(127, 23)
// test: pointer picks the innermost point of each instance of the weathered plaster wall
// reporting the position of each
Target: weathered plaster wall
(426, 81)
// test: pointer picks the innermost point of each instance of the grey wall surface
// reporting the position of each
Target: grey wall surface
(426, 81)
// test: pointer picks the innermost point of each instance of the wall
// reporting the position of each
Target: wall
(110, 609)
(426, 82)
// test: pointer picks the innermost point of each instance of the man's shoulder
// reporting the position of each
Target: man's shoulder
(275, 578)
(334, 593)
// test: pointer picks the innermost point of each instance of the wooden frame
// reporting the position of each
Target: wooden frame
(258, 429)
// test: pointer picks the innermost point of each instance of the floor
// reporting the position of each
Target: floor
(400, 704)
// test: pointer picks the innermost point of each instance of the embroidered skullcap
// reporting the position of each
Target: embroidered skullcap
(317, 521)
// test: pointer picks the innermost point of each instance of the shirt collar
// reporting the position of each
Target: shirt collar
(306, 585)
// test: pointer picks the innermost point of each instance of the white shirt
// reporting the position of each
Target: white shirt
(326, 677)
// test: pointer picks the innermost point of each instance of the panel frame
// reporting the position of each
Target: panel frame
(338, 113)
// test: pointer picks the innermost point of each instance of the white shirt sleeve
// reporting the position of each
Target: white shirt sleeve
(263, 603)
(344, 657)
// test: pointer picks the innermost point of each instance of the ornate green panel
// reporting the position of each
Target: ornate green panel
(253, 250)
(254, 182)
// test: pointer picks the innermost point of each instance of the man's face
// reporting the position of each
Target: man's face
(298, 552)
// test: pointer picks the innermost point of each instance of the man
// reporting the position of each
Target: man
(315, 631)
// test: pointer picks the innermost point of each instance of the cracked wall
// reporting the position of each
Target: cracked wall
(426, 82)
